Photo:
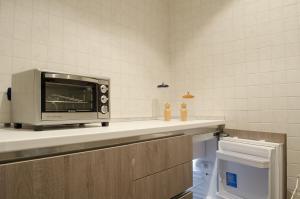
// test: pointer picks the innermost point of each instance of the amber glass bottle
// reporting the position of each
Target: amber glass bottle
(183, 112)
(167, 112)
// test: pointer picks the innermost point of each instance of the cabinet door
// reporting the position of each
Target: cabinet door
(165, 184)
(158, 155)
(106, 173)
(33, 179)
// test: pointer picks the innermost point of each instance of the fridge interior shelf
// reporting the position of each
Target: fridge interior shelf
(245, 159)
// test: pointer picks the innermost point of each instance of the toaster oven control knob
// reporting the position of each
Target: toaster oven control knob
(103, 88)
(104, 99)
(104, 109)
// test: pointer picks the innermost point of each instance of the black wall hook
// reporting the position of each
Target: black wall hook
(162, 85)
(8, 93)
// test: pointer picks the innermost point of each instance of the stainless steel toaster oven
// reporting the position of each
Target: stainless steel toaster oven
(41, 97)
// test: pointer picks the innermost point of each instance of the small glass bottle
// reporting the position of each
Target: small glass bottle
(167, 112)
(183, 112)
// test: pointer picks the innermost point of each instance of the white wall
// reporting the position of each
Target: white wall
(241, 58)
(125, 40)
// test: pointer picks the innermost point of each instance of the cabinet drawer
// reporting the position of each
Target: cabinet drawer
(158, 155)
(165, 184)
(104, 173)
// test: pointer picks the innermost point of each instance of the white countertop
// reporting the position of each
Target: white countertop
(21, 139)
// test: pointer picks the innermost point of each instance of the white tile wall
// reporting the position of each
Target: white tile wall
(241, 58)
(124, 40)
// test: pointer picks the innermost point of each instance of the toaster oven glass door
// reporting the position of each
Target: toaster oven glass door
(68, 95)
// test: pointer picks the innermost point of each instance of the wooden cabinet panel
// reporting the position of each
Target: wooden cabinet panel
(106, 173)
(33, 179)
(162, 167)
(158, 155)
(165, 184)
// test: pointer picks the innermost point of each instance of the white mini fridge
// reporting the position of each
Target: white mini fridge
(232, 168)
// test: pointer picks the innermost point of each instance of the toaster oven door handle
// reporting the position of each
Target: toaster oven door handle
(71, 77)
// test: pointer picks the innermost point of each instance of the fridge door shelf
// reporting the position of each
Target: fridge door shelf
(245, 159)
(257, 166)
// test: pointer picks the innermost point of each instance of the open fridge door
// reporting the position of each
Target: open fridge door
(234, 168)
(249, 169)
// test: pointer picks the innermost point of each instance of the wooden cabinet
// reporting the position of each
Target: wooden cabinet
(33, 179)
(106, 173)
(163, 168)
(158, 155)
(165, 184)
(157, 169)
